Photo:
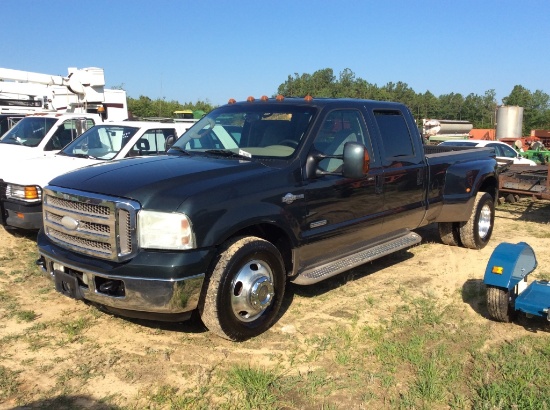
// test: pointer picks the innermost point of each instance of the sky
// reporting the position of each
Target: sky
(215, 50)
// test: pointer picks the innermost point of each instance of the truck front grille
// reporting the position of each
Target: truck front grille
(94, 225)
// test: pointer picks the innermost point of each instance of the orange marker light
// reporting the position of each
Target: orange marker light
(250, 99)
(264, 98)
(498, 270)
(279, 98)
(308, 98)
(31, 192)
(231, 101)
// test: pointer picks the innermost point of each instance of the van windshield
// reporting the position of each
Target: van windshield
(269, 130)
(30, 131)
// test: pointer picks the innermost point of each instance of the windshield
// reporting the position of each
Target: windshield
(255, 131)
(101, 142)
(29, 131)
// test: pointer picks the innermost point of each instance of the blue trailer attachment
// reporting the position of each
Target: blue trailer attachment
(506, 281)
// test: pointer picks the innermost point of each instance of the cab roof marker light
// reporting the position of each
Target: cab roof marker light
(308, 98)
(231, 101)
(279, 98)
(250, 99)
(264, 98)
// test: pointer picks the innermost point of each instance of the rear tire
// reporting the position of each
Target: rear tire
(499, 304)
(245, 290)
(476, 231)
(449, 233)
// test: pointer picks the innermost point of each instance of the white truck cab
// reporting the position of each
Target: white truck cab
(21, 182)
(43, 135)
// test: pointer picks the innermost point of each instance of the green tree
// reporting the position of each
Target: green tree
(144, 107)
(536, 107)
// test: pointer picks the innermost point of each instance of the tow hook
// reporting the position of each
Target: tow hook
(41, 263)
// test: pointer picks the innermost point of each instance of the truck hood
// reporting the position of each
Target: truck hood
(160, 182)
(40, 170)
(9, 152)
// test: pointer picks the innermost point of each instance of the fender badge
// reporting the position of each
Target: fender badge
(70, 223)
(290, 198)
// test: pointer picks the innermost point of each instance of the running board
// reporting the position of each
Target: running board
(328, 270)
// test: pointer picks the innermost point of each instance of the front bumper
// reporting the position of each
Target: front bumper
(166, 283)
(23, 216)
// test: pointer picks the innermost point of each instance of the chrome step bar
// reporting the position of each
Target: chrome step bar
(319, 273)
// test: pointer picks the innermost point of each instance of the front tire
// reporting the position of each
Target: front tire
(477, 230)
(245, 290)
(499, 304)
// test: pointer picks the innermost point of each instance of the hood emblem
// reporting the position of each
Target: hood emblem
(70, 223)
(290, 198)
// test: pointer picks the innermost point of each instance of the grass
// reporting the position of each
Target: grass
(388, 345)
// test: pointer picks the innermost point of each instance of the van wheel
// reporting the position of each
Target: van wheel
(499, 304)
(476, 231)
(245, 290)
(449, 233)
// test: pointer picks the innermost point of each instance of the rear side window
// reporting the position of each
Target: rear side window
(395, 134)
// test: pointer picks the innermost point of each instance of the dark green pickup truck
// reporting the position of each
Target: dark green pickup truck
(256, 194)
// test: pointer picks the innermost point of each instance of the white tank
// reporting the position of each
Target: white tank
(509, 122)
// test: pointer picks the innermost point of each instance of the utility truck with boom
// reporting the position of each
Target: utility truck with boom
(81, 91)
(57, 109)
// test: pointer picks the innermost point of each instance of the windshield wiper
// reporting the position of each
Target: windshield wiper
(228, 153)
(16, 139)
(81, 156)
(179, 149)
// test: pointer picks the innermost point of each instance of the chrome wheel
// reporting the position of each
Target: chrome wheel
(252, 290)
(484, 223)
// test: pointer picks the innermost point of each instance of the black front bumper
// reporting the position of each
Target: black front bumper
(159, 282)
(21, 215)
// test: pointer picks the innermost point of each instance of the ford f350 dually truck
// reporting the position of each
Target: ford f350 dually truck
(256, 194)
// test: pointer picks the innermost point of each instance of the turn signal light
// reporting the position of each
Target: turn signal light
(31, 192)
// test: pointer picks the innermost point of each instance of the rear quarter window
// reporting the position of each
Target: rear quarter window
(396, 137)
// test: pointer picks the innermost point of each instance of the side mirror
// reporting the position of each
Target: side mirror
(356, 160)
(169, 142)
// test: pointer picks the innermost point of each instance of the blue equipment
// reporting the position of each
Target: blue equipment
(506, 281)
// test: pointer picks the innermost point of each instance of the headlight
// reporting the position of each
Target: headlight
(160, 230)
(29, 193)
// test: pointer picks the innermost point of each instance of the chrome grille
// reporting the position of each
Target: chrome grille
(96, 225)
(78, 206)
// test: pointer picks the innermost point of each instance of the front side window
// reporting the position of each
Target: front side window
(152, 142)
(503, 150)
(254, 131)
(67, 132)
(338, 128)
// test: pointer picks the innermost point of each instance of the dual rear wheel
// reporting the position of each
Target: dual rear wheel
(477, 230)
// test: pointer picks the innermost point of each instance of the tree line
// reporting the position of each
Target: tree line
(480, 110)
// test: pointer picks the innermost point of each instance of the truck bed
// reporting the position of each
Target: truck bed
(436, 154)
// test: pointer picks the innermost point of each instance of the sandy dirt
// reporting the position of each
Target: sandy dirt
(75, 350)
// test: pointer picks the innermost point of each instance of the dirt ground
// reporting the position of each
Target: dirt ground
(58, 346)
